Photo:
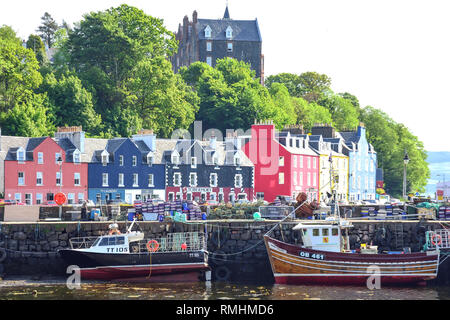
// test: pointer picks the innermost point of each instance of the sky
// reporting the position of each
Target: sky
(392, 55)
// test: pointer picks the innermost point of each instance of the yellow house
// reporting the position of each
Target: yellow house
(332, 175)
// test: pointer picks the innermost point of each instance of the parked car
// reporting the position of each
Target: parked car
(2, 201)
(9, 202)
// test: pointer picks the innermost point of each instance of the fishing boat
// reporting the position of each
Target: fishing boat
(325, 258)
(176, 257)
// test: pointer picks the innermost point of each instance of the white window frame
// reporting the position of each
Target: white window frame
(59, 178)
(295, 161)
(134, 163)
(121, 180)
(208, 32)
(39, 198)
(309, 178)
(229, 32)
(281, 161)
(193, 179)
(281, 178)
(105, 158)
(151, 180)
(21, 155)
(301, 179)
(80, 197)
(18, 197)
(105, 179)
(209, 61)
(177, 176)
(57, 155)
(213, 180)
(39, 176)
(135, 180)
(295, 178)
(71, 198)
(150, 159)
(121, 162)
(208, 46)
(175, 159)
(301, 162)
(238, 181)
(75, 176)
(77, 157)
(29, 201)
(230, 47)
(193, 162)
(40, 157)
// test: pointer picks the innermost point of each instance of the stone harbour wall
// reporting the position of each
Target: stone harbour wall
(236, 248)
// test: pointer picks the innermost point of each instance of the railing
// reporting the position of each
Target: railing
(82, 243)
(177, 242)
(438, 238)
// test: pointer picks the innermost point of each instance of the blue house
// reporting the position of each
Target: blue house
(362, 165)
(127, 170)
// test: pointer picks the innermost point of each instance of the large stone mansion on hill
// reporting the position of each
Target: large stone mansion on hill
(207, 40)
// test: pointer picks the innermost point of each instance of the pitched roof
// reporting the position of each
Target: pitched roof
(243, 30)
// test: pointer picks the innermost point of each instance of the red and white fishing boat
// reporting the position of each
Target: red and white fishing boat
(325, 258)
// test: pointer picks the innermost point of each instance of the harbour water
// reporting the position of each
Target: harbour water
(57, 290)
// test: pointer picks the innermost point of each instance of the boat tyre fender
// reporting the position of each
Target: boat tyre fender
(2, 254)
(219, 257)
(222, 274)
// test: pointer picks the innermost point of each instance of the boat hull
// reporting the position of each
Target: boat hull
(298, 265)
(165, 267)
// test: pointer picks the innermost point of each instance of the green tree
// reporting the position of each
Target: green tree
(230, 96)
(7, 33)
(35, 43)
(112, 51)
(19, 74)
(29, 118)
(71, 103)
(390, 139)
(309, 114)
(344, 114)
(290, 80)
(47, 29)
(285, 111)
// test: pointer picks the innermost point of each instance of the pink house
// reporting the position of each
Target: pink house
(33, 174)
(284, 163)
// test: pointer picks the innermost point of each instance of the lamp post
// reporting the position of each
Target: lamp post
(59, 161)
(405, 161)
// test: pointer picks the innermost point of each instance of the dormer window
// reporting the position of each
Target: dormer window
(237, 161)
(193, 162)
(105, 157)
(208, 32)
(229, 32)
(21, 155)
(150, 159)
(76, 156)
(175, 158)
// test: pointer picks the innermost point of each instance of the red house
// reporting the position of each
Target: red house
(284, 162)
(33, 173)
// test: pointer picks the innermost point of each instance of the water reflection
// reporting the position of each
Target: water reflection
(213, 291)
